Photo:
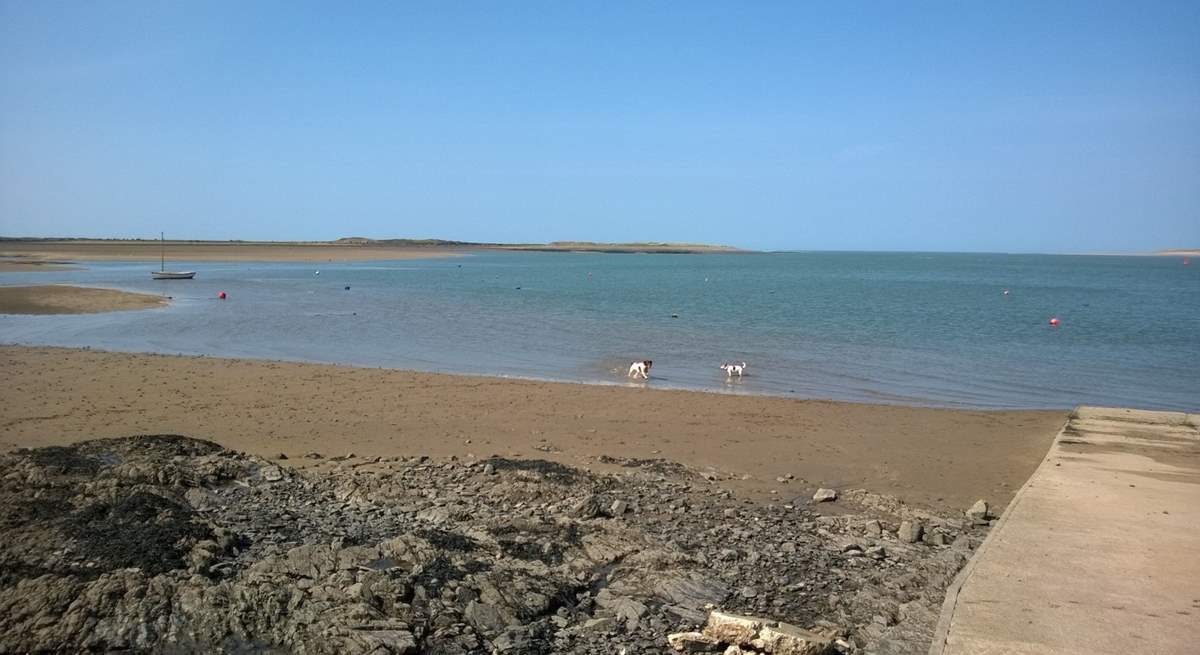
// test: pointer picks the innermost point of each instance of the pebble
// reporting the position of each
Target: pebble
(824, 495)
(909, 532)
(978, 511)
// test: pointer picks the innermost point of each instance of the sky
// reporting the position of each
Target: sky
(961, 126)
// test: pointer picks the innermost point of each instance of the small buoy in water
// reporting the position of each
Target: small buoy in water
(347, 287)
(1006, 292)
(518, 288)
(674, 315)
(221, 295)
(1054, 322)
(316, 272)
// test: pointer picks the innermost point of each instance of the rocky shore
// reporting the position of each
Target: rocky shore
(164, 543)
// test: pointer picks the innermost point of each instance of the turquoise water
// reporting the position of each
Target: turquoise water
(929, 329)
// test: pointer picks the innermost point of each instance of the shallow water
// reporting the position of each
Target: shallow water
(913, 328)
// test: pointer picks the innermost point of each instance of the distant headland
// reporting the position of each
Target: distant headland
(29, 252)
(553, 246)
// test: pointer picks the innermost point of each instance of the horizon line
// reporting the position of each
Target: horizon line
(716, 248)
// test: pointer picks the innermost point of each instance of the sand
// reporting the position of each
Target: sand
(1181, 252)
(933, 457)
(84, 250)
(64, 299)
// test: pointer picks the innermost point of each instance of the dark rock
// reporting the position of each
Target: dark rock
(168, 544)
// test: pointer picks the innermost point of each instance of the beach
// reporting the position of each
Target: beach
(407, 512)
(932, 457)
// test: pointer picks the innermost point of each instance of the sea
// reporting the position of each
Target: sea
(928, 329)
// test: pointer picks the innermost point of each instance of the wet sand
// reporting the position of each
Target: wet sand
(63, 299)
(83, 250)
(33, 265)
(934, 457)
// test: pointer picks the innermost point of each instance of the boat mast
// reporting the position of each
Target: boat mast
(162, 254)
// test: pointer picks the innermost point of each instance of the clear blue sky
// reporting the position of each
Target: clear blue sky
(1040, 126)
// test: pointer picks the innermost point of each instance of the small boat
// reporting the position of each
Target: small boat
(173, 275)
(162, 273)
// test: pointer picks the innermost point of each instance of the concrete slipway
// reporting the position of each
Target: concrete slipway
(1099, 552)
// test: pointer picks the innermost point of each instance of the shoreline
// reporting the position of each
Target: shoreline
(943, 458)
(121, 290)
(654, 384)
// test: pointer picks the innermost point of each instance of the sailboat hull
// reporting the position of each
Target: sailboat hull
(173, 275)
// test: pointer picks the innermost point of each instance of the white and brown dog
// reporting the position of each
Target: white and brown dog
(640, 370)
(732, 369)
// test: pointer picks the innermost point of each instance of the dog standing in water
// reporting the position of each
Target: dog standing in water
(640, 369)
(731, 369)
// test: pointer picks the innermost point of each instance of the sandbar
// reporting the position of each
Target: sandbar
(64, 299)
(25, 265)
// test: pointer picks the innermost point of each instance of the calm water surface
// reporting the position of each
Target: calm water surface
(930, 329)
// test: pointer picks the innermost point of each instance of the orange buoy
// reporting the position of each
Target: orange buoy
(1054, 322)
(221, 295)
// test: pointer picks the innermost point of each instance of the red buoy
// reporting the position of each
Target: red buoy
(221, 295)
(1054, 322)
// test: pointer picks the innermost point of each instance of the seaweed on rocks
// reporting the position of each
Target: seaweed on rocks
(552, 471)
(447, 540)
(62, 460)
(135, 530)
(546, 543)
(168, 445)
